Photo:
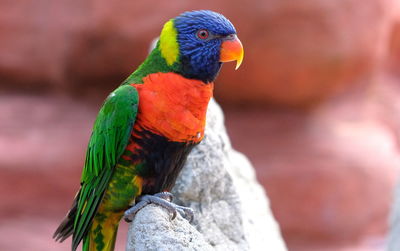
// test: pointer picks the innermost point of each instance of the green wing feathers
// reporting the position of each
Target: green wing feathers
(110, 136)
(111, 131)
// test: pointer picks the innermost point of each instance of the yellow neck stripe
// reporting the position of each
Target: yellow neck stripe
(169, 46)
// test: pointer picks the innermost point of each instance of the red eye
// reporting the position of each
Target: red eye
(202, 34)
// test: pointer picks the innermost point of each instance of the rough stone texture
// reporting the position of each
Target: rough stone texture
(231, 210)
(154, 230)
(297, 52)
(350, 143)
(329, 172)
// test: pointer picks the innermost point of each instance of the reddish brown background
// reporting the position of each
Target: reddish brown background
(314, 106)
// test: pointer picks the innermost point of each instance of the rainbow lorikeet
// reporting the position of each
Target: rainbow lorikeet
(147, 127)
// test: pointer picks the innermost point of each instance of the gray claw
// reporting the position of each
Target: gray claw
(188, 213)
(162, 199)
(165, 195)
(131, 212)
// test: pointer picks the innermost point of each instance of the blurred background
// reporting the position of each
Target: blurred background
(315, 106)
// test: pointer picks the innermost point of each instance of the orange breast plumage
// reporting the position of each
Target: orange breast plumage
(173, 106)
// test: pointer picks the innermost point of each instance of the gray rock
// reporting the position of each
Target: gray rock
(394, 235)
(231, 208)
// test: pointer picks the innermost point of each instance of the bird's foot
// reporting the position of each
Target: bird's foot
(162, 199)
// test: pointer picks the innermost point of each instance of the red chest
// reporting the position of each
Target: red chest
(173, 106)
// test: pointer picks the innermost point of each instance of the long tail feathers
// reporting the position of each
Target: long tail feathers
(101, 235)
(66, 228)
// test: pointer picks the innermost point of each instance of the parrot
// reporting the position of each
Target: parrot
(146, 128)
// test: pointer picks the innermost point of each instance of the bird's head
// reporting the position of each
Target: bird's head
(196, 43)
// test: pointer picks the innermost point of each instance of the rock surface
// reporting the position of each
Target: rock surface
(297, 52)
(394, 235)
(301, 52)
(321, 168)
(330, 173)
(231, 210)
(394, 49)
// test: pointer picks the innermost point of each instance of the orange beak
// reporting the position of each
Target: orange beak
(232, 50)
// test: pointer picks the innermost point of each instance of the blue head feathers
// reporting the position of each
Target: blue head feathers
(194, 45)
(199, 36)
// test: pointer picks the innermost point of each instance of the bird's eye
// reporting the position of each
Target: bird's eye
(230, 37)
(202, 34)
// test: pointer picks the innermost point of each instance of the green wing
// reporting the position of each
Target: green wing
(108, 141)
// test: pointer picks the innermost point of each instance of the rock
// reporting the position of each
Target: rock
(330, 173)
(297, 52)
(153, 230)
(231, 210)
(394, 49)
(394, 235)
(301, 52)
(51, 120)
(42, 144)
(391, 104)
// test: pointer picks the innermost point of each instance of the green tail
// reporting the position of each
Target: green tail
(102, 233)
